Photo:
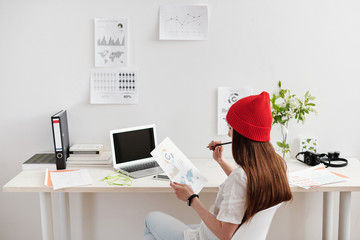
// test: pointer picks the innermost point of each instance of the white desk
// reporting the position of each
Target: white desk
(33, 181)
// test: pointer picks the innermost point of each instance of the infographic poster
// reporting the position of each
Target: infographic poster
(227, 96)
(177, 166)
(111, 42)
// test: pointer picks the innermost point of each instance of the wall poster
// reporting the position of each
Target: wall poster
(111, 42)
(227, 96)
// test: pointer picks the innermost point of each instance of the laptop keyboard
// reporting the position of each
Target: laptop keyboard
(140, 167)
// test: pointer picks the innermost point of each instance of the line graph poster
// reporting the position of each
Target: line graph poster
(111, 42)
(183, 22)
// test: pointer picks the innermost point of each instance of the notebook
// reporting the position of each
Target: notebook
(131, 151)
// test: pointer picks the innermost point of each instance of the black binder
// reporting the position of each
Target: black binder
(61, 138)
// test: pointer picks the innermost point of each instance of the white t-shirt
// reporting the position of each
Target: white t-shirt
(229, 205)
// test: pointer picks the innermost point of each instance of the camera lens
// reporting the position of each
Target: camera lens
(331, 155)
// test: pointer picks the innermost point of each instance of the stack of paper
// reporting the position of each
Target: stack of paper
(315, 176)
(96, 159)
(40, 161)
(86, 149)
(67, 178)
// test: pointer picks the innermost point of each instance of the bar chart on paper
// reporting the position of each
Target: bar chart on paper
(183, 23)
(110, 42)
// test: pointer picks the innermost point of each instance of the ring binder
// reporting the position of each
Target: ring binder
(61, 138)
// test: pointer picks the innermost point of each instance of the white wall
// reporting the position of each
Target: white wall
(46, 52)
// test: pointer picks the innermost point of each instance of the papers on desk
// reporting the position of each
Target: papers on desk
(67, 178)
(314, 177)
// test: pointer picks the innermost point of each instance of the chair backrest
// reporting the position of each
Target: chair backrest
(258, 227)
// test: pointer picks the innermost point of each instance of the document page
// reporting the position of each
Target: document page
(315, 176)
(188, 22)
(64, 179)
(227, 96)
(111, 42)
(177, 166)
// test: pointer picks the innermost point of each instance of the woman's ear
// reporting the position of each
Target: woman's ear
(230, 133)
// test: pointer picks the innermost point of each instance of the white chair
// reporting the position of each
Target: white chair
(258, 227)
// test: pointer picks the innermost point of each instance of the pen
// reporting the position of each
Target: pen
(220, 144)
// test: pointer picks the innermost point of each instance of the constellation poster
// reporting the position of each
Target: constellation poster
(111, 42)
(183, 22)
(226, 97)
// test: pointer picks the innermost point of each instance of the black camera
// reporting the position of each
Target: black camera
(314, 159)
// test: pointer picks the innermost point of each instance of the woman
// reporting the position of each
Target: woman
(257, 182)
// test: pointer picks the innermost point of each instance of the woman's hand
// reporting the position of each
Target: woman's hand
(217, 155)
(217, 151)
(182, 191)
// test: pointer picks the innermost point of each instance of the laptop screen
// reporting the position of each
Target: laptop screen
(131, 144)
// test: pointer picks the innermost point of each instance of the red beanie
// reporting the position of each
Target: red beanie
(251, 117)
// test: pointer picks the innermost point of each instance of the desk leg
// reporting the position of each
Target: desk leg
(344, 215)
(64, 216)
(328, 202)
(46, 216)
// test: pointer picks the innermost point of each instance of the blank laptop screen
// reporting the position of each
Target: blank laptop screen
(133, 145)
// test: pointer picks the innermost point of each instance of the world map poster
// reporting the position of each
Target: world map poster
(177, 166)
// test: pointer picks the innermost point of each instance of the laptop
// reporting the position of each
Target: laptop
(131, 148)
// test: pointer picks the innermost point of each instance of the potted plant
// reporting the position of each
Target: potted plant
(286, 106)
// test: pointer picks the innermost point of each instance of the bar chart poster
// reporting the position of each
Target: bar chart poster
(183, 22)
(111, 42)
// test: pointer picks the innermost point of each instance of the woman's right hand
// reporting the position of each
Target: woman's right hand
(217, 151)
(217, 155)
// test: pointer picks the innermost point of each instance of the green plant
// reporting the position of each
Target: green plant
(286, 106)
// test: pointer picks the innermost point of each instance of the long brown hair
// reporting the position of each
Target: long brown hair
(267, 183)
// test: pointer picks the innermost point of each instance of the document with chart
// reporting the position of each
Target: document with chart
(111, 42)
(227, 96)
(177, 166)
(189, 22)
(315, 176)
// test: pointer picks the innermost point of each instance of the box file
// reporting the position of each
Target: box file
(61, 138)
